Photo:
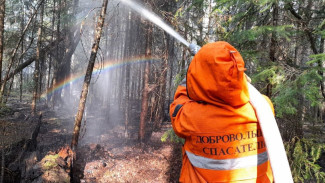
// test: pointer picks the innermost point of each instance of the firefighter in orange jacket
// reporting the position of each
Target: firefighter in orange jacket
(211, 111)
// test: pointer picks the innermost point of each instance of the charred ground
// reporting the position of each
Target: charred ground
(104, 153)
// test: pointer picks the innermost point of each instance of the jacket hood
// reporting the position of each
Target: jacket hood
(216, 75)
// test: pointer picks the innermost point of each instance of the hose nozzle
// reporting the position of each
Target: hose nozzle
(194, 48)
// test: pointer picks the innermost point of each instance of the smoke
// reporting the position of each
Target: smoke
(103, 110)
(155, 19)
(121, 52)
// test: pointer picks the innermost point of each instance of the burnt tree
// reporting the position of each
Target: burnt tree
(37, 62)
(2, 23)
(146, 88)
(84, 92)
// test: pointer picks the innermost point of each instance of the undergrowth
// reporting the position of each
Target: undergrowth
(5, 110)
(303, 155)
(172, 137)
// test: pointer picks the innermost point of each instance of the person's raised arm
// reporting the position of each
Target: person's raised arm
(176, 109)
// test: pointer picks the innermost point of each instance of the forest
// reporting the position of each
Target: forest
(86, 86)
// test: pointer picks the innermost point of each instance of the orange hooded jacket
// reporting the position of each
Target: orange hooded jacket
(211, 111)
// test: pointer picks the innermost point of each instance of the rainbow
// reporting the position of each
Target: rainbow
(98, 68)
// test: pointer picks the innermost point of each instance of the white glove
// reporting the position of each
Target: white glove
(194, 48)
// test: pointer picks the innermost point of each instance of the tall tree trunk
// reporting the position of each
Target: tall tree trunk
(71, 45)
(21, 86)
(273, 44)
(87, 79)
(128, 41)
(51, 57)
(313, 44)
(182, 68)
(37, 62)
(2, 29)
(22, 51)
(55, 95)
(171, 66)
(61, 53)
(9, 90)
(312, 40)
(170, 89)
(145, 91)
(162, 82)
(2, 174)
(321, 64)
(14, 52)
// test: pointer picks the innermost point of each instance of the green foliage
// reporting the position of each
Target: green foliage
(256, 32)
(289, 86)
(273, 75)
(303, 156)
(316, 58)
(179, 77)
(197, 3)
(170, 134)
(227, 4)
(243, 11)
(286, 101)
(179, 12)
(251, 56)
(309, 81)
(49, 162)
(305, 85)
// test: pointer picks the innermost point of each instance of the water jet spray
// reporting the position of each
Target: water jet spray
(157, 20)
(278, 159)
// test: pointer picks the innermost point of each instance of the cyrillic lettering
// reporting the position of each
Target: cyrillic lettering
(228, 150)
(218, 138)
(213, 151)
(222, 152)
(237, 150)
(240, 136)
(243, 147)
(254, 135)
(232, 137)
(198, 139)
(205, 148)
(212, 139)
(205, 141)
(223, 138)
(250, 147)
(248, 135)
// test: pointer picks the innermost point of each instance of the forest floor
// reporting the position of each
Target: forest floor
(103, 154)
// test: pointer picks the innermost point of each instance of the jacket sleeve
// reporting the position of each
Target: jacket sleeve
(176, 110)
